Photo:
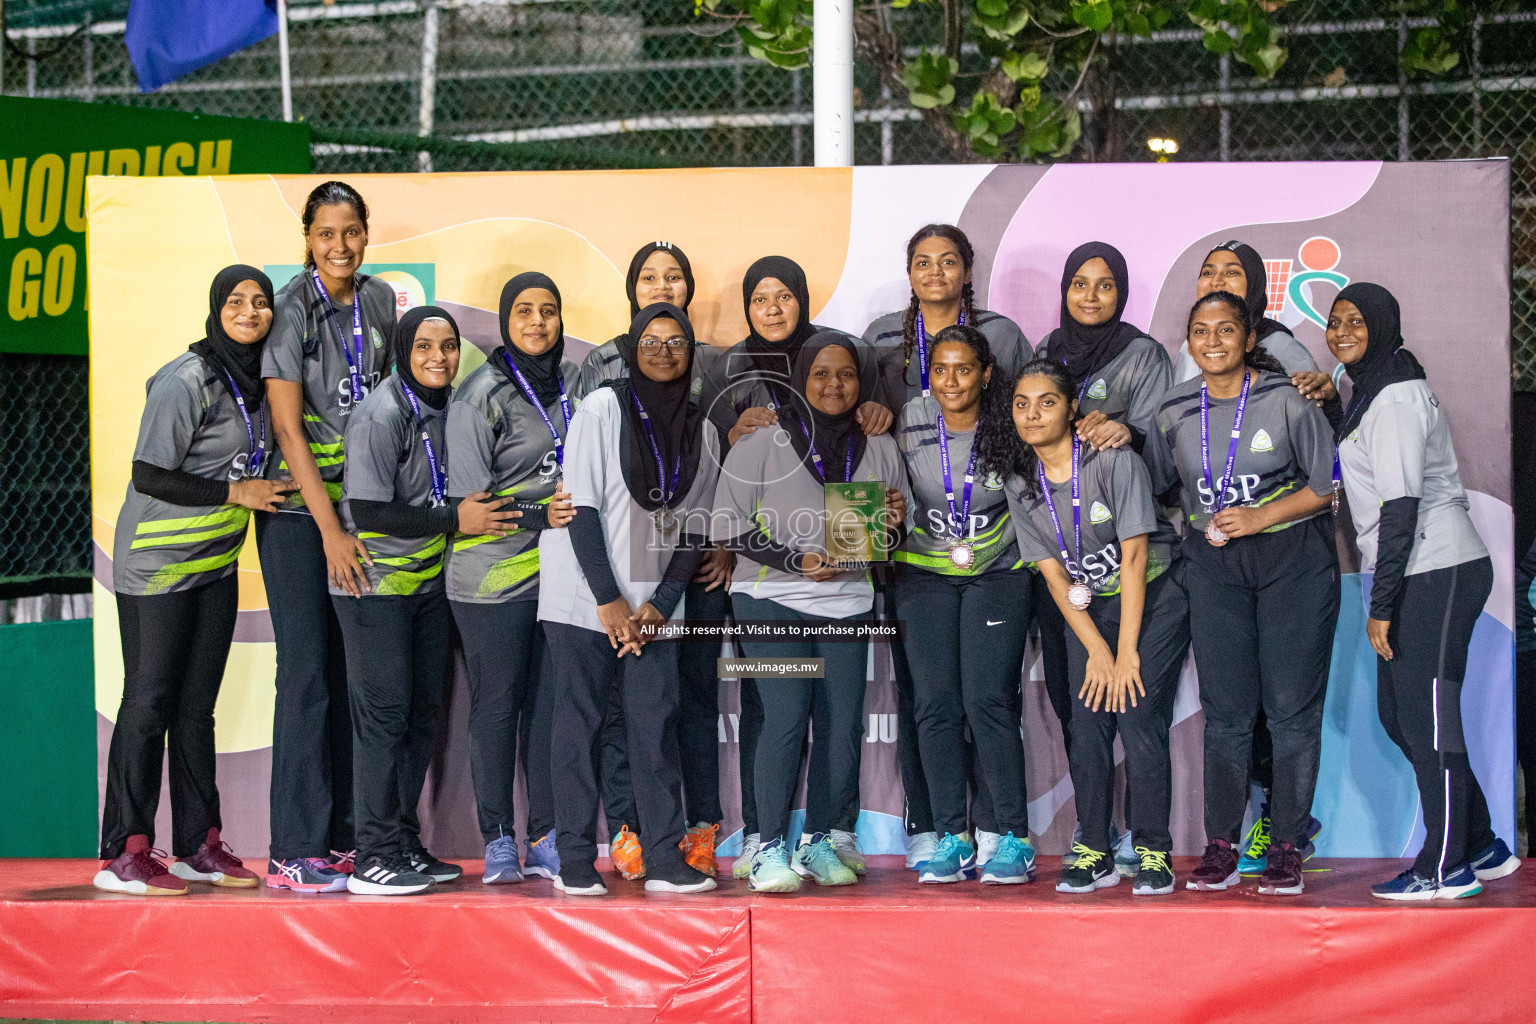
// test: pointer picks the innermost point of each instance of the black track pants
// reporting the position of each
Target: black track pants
(1143, 729)
(174, 649)
(1262, 615)
(1053, 662)
(1418, 695)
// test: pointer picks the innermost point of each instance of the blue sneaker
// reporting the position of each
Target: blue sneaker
(1410, 885)
(501, 866)
(1494, 862)
(542, 859)
(305, 874)
(953, 861)
(1255, 847)
(817, 860)
(1012, 864)
(1309, 845)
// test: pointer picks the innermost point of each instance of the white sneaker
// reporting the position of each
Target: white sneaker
(742, 868)
(920, 848)
(846, 845)
(986, 847)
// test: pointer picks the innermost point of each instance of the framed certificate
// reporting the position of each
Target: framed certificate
(855, 531)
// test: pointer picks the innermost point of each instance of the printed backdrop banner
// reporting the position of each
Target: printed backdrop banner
(1434, 233)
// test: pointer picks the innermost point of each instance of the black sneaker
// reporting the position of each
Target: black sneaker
(1154, 876)
(579, 879)
(1217, 870)
(387, 876)
(678, 876)
(1282, 876)
(437, 870)
(1090, 870)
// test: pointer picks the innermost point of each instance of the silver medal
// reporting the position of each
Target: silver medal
(1214, 535)
(962, 556)
(1079, 596)
(666, 520)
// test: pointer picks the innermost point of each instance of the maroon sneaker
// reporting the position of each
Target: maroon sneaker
(136, 871)
(215, 862)
(1282, 876)
(1217, 870)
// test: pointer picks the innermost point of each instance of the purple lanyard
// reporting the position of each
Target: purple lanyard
(1220, 494)
(565, 407)
(668, 490)
(1077, 508)
(255, 452)
(354, 363)
(439, 480)
(821, 470)
(958, 518)
(920, 337)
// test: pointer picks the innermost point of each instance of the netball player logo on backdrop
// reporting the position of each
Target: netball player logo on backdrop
(1290, 288)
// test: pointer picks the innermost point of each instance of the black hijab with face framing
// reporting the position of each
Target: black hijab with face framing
(1257, 297)
(807, 425)
(542, 372)
(404, 339)
(675, 420)
(241, 362)
(1385, 361)
(637, 264)
(769, 357)
(1085, 349)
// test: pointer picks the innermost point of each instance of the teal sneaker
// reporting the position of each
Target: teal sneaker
(1255, 856)
(1127, 862)
(770, 870)
(817, 860)
(1012, 864)
(953, 861)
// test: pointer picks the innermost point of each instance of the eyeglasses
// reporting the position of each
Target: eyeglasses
(675, 344)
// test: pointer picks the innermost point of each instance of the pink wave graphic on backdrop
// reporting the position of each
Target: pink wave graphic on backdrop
(1152, 221)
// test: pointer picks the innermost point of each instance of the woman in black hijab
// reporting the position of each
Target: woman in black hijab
(1432, 576)
(770, 508)
(641, 465)
(658, 272)
(205, 442)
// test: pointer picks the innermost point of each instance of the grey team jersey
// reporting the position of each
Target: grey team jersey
(386, 461)
(929, 533)
(901, 381)
(1402, 449)
(1128, 388)
(766, 486)
(1292, 354)
(605, 363)
(190, 423)
(500, 444)
(1286, 444)
(637, 551)
(1116, 502)
(303, 349)
(732, 384)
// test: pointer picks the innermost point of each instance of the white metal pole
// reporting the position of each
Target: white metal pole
(832, 82)
(428, 81)
(282, 59)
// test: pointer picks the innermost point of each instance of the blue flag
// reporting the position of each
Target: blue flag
(170, 38)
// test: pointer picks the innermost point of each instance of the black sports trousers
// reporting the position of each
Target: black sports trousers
(1262, 613)
(587, 671)
(833, 706)
(311, 792)
(174, 649)
(1418, 695)
(964, 642)
(1143, 729)
(397, 660)
(511, 707)
(1053, 662)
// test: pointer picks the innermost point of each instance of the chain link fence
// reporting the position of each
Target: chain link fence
(458, 85)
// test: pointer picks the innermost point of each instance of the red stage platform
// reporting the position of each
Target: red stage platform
(884, 950)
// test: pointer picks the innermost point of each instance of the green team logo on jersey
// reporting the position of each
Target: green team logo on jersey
(1099, 390)
(378, 339)
(992, 482)
(1261, 442)
(1099, 514)
(698, 386)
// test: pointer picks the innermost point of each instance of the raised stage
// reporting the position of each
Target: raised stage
(884, 950)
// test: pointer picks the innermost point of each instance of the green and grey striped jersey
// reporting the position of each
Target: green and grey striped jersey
(500, 444)
(303, 349)
(987, 528)
(190, 423)
(387, 461)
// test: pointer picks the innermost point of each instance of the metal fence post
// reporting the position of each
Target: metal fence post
(1477, 88)
(285, 72)
(88, 92)
(1402, 86)
(1226, 111)
(428, 79)
(32, 66)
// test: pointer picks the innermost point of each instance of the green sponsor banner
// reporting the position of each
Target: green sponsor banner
(47, 150)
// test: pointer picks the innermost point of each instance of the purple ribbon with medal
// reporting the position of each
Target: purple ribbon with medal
(354, 363)
(665, 519)
(255, 453)
(1079, 594)
(961, 554)
(1219, 494)
(565, 409)
(439, 477)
